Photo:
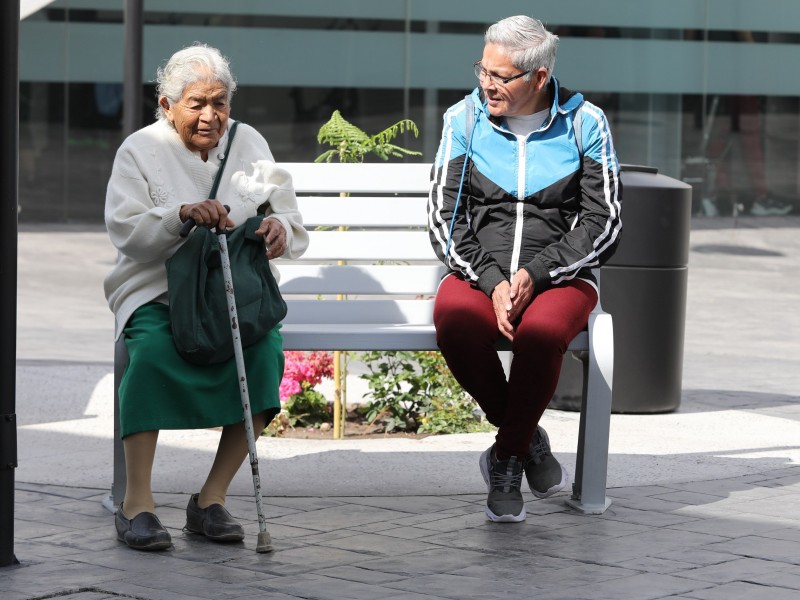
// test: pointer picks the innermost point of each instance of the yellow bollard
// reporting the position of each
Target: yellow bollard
(337, 395)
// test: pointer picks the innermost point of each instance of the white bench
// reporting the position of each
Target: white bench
(368, 282)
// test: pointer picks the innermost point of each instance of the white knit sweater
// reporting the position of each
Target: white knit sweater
(154, 173)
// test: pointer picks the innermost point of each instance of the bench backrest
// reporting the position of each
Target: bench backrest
(368, 243)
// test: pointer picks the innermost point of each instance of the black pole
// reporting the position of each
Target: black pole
(9, 192)
(132, 83)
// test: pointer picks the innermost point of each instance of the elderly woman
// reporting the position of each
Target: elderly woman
(161, 178)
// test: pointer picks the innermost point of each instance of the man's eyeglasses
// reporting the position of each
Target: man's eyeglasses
(480, 73)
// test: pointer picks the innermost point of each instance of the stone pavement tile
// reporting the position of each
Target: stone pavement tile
(422, 505)
(738, 569)
(695, 556)
(315, 538)
(556, 504)
(553, 519)
(80, 595)
(177, 588)
(340, 517)
(465, 588)
(787, 532)
(654, 564)
(599, 528)
(779, 507)
(638, 491)
(328, 588)
(414, 596)
(724, 489)
(453, 523)
(781, 551)
(737, 525)
(646, 586)
(785, 578)
(360, 574)
(29, 551)
(516, 567)
(62, 519)
(496, 538)
(407, 533)
(429, 562)
(689, 497)
(371, 544)
(573, 577)
(196, 586)
(54, 576)
(302, 503)
(626, 514)
(295, 561)
(619, 550)
(284, 536)
(100, 537)
(651, 503)
(743, 589)
(25, 530)
(220, 572)
(244, 507)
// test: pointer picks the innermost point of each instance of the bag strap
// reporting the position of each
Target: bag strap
(218, 178)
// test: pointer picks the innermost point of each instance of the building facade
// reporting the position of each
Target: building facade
(701, 89)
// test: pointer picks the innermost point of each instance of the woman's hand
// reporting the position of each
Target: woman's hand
(501, 300)
(274, 237)
(208, 213)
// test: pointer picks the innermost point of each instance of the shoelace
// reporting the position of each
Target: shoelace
(539, 450)
(506, 479)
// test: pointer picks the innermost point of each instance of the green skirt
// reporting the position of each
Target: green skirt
(160, 390)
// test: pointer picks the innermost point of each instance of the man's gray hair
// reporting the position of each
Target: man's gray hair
(198, 62)
(526, 41)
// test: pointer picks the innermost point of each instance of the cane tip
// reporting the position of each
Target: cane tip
(264, 543)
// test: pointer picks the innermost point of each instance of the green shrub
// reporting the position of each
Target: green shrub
(416, 392)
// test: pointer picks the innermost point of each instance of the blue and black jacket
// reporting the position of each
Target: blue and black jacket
(544, 203)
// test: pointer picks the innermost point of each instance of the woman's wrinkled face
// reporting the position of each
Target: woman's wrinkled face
(200, 116)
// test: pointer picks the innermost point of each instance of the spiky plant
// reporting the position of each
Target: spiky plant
(352, 144)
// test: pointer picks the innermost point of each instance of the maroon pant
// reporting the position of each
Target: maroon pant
(466, 332)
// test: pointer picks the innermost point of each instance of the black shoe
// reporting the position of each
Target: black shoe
(214, 522)
(143, 532)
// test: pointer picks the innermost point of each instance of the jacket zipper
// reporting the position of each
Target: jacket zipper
(514, 267)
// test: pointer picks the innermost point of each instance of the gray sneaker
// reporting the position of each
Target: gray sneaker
(544, 473)
(504, 480)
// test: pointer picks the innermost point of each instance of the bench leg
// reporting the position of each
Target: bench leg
(591, 467)
(120, 481)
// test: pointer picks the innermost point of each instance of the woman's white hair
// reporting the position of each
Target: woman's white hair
(198, 62)
(526, 41)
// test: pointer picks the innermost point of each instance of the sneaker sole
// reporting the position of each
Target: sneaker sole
(556, 488)
(505, 518)
(489, 514)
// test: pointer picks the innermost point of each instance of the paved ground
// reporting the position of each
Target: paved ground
(704, 498)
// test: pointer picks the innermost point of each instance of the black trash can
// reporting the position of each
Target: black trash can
(643, 286)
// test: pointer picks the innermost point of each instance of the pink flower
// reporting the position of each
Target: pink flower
(304, 370)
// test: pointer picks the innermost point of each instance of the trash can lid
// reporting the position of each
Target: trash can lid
(639, 169)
